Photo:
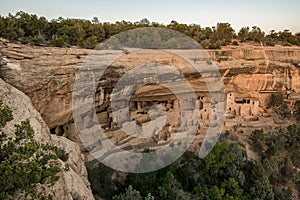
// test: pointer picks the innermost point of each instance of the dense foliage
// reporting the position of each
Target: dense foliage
(24, 163)
(226, 173)
(279, 105)
(1, 65)
(297, 110)
(30, 28)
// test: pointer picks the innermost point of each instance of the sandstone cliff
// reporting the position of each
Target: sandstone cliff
(73, 183)
(46, 74)
(250, 74)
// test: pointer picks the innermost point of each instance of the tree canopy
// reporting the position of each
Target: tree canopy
(225, 173)
(30, 28)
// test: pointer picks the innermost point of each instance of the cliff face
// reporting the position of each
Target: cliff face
(73, 183)
(250, 75)
(46, 74)
(260, 68)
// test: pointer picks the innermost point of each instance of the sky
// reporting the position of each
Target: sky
(267, 14)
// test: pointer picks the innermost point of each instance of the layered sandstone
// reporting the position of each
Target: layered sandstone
(250, 75)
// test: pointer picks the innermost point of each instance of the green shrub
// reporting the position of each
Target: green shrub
(297, 110)
(257, 139)
(36, 40)
(129, 194)
(279, 105)
(24, 163)
(62, 154)
(215, 45)
(1, 66)
(276, 100)
(59, 42)
(24, 40)
(5, 115)
(270, 43)
(235, 43)
(88, 43)
(296, 160)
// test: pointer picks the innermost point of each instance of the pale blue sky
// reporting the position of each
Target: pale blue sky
(267, 14)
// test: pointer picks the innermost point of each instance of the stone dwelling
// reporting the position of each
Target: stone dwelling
(241, 105)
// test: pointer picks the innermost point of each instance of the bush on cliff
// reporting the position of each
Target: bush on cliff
(24, 163)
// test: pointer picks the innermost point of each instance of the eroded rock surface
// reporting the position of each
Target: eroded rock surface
(250, 75)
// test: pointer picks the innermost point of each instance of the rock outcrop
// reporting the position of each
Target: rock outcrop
(73, 183)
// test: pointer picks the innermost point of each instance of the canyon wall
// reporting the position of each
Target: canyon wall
(250, 75)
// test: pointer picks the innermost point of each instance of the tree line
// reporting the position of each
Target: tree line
(30, 28)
